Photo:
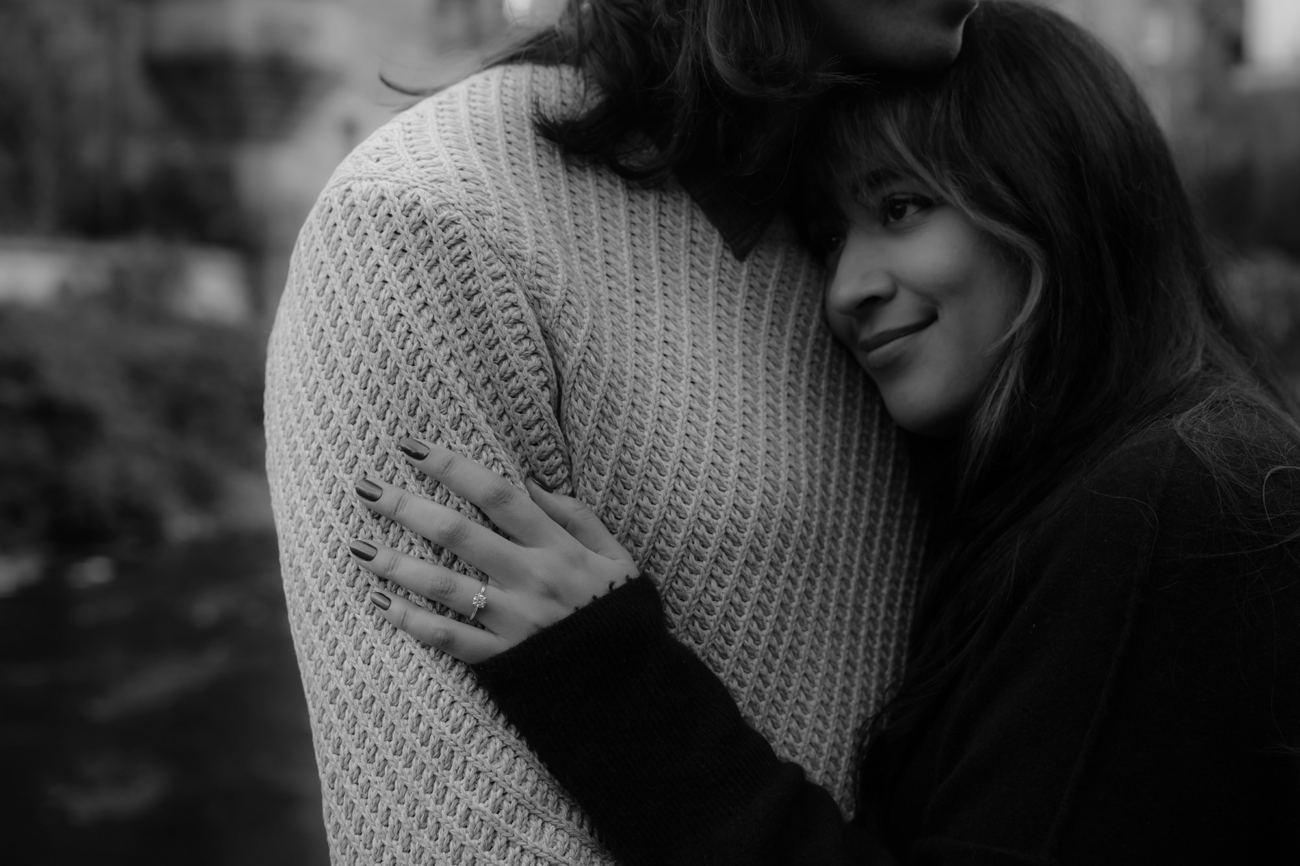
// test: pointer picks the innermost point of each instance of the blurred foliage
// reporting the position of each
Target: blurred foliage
(117, 418)
(85, 148)
(1241, 156)
(1265, 289)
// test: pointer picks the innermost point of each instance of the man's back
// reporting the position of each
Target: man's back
(459, 282)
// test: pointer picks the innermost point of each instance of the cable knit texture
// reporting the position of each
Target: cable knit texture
(457, 280)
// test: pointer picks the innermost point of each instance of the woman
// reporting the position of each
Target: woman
(1105, 666)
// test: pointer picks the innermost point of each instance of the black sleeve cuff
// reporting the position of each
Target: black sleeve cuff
(650, 743)
(581, 651)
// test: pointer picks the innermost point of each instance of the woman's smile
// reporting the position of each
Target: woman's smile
(886, 344)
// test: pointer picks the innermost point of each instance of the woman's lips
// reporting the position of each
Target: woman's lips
(889, 335)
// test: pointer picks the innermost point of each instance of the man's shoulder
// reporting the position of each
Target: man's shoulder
(467, 133)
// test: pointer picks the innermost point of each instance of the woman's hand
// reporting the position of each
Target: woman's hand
(558, 556)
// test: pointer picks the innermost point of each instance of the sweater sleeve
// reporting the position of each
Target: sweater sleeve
(651, 744)
(399, 318)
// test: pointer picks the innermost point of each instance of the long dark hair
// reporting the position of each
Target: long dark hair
(713, 85)
(1040, 136)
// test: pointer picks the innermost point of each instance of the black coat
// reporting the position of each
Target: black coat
(1141, 706)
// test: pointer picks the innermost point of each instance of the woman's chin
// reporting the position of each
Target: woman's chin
(926, 422)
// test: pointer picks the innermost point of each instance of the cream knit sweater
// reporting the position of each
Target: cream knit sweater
(458, 281)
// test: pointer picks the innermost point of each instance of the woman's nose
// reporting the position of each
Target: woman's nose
(861, 280)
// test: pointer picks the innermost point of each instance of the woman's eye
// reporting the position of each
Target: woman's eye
(902, 206)
(827, 241)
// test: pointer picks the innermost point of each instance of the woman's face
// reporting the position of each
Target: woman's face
(892, 34)
(921, 296)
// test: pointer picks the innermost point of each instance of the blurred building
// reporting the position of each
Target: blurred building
(1180, 51)
(1188, 52)
(215, 123)
(295, 85)
(1223, 77)
(1272, 30)
(304, 81)
(204, 123)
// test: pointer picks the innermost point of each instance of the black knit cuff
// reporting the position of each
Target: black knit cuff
(650, 743)
(591, 644)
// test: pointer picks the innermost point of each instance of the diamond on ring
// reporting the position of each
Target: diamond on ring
(479, 601)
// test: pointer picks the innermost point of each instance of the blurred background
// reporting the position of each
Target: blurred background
(156, 160)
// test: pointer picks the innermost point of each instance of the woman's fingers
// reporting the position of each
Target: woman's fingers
(438, 584)
(475, 544)
(505, 504)
(458, 639)
(577, 519)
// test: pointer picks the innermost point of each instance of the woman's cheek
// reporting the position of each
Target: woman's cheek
(929, 396)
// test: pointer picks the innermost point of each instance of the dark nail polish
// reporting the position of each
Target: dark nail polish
(363, 551)
(541, 484)
(413, 448)
(379, 600)
(369, 490)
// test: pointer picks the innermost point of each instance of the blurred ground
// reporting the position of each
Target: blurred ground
(151, 712)
(150, 706)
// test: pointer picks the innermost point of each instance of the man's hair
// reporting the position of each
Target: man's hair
(1039, 135)
(714, 85)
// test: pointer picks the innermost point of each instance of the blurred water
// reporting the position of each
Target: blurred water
(152, 713)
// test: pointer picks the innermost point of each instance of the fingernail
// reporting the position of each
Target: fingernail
(379, 600)
(413, 448)
(369, 490)
(363, 551)
(546, 487)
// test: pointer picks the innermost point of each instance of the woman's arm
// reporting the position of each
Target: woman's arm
(629, 721)
(1141, 699)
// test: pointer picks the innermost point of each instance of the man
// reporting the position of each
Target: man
(618, 308)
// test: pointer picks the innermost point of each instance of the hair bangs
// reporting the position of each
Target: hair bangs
(917, 132)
